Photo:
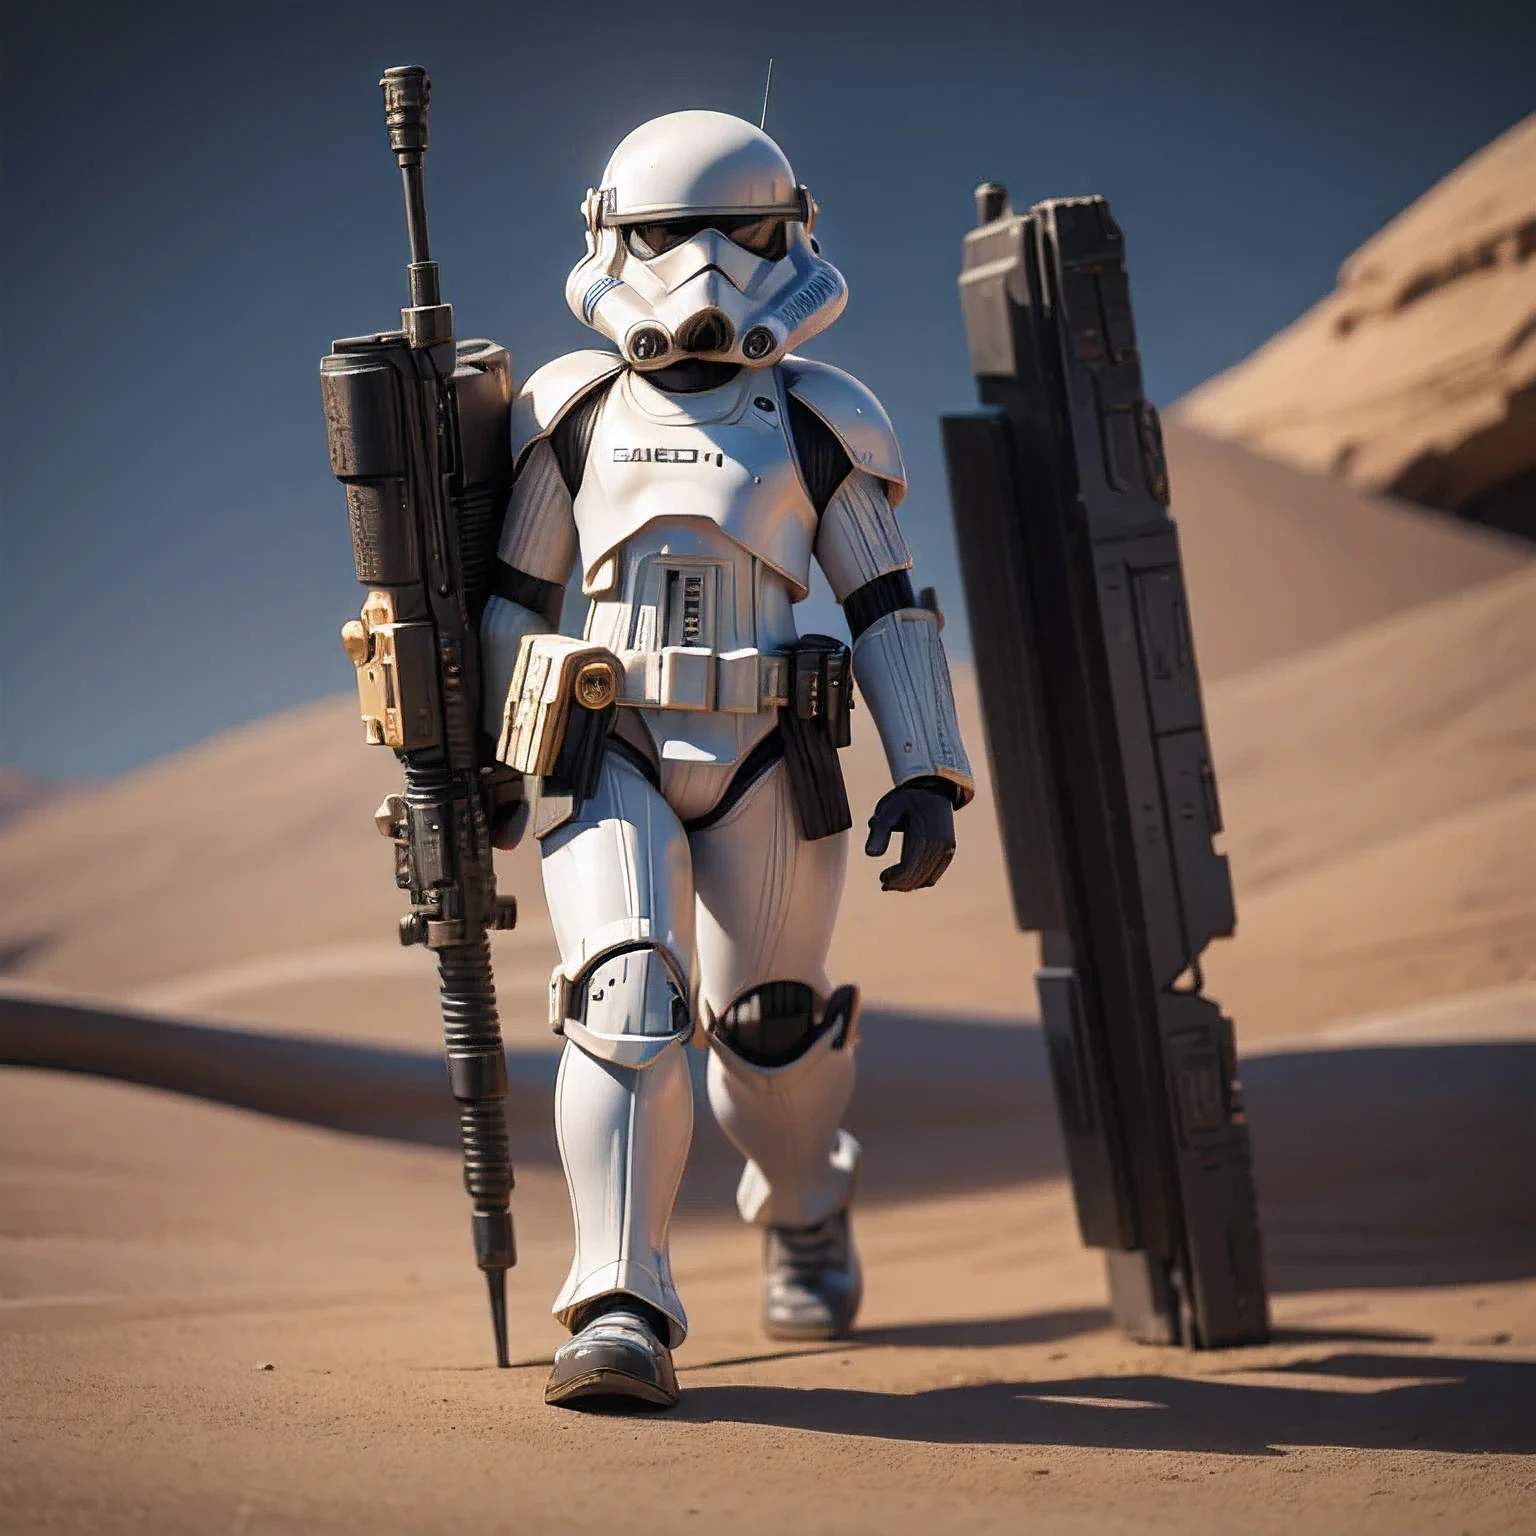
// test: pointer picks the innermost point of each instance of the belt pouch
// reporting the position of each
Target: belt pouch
(814, 724)
(561, 706)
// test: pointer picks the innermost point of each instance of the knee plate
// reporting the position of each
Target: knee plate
(627, 1006)
(776, 1023)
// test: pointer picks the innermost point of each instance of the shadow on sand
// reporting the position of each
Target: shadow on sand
(1050, 1327)
(1379, 1166)
(1354, 1401)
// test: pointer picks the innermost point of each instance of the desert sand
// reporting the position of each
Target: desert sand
(162, 1253)
(247, 1305)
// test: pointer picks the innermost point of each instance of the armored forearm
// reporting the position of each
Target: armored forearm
(903, 677)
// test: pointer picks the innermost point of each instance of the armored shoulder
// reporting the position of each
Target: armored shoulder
(551, 391)
(854, 416)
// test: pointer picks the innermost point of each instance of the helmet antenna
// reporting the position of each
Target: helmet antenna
(762, 122)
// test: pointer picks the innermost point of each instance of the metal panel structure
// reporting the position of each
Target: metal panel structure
(1097, 745)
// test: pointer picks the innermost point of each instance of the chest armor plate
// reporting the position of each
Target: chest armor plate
(722, 456)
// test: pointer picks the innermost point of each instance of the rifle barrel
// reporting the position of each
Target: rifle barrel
(407, 104)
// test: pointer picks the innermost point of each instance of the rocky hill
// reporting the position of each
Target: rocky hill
(1417, 374)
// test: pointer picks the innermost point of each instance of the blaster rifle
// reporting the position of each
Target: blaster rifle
(418, 434)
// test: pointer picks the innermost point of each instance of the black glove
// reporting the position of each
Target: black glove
(924, 813)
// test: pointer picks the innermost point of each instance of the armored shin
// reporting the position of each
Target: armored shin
(624, 1119)
(783, 1118)
(617, 881)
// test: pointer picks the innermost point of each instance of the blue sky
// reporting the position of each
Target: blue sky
(199, 197)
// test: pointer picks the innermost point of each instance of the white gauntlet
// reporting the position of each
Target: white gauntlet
(902, 673)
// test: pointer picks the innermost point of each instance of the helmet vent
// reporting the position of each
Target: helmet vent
(707, 331)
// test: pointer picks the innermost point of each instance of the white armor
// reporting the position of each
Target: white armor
(675, 893)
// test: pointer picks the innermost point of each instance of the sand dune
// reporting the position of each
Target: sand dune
(1281, 561)
(22, 793)
(1380, 800)
(1393, 727)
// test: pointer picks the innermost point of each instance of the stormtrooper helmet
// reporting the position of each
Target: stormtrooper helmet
(699, 246)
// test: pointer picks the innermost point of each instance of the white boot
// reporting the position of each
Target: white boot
(615, 1359)
(812, 1283)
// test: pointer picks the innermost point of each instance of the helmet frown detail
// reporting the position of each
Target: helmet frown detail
(699, 245)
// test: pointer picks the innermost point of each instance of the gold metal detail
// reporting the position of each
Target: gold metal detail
(397, 687)
(597, 684)
(552, 673)
(354, 640)
(390, 816)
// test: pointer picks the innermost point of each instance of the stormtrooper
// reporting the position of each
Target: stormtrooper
(689, 475)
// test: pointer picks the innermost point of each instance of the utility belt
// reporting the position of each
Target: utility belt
(565, 694)
(696, 678)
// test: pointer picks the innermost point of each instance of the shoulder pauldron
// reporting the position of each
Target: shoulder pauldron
(551, 391)
(853, 415)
